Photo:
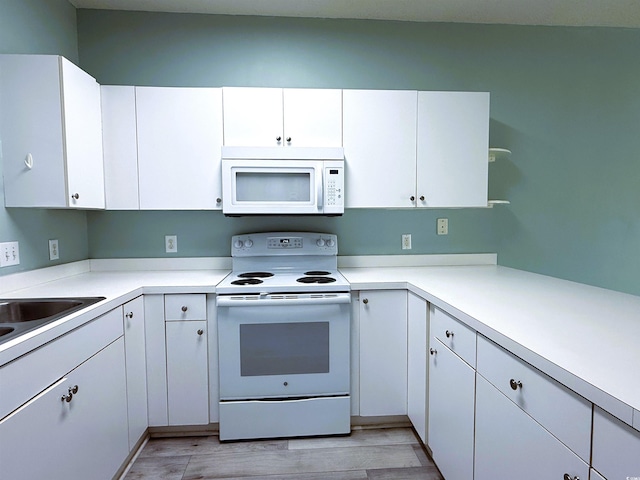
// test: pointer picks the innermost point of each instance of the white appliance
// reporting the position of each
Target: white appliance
(284, 338)
(282, 181)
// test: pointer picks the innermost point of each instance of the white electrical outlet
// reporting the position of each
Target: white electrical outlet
(171, 243)
(406, 241)
(9, 254)
(54, 252)
(443, 226)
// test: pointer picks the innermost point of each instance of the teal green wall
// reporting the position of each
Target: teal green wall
(41, 27)
(566, 101)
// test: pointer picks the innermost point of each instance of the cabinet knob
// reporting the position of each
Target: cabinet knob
(67, 398)
(218, 200)
(569, 477)
(412, 198)
(73, 389)
(365, 301)
(184, 308)
(288, 139)
(515, 384)
(278, 139)
(75, 196)
(129, 315)
(422, 198)
(200, 331)
(448, 333)
(433, 351)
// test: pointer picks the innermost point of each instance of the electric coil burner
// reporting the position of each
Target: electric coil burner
(283, 338)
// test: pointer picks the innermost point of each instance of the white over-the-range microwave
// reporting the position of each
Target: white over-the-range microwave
(282, 181)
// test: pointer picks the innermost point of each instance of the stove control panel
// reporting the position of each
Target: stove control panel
(273, 244)
(284, 242)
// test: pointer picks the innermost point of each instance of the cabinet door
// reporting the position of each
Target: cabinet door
(83, 135)
(417, 339)
(451, 412)
(453, 141)
(120, 146)
(187, 373)
(136, 363)
(379, 137)
(615, 447)
(52, 143)
(85, 437)
(383, 352)
(253, 117)
(312, 117)
(179, 148)
(510, 443)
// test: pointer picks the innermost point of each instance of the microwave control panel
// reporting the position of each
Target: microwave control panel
(333, 188)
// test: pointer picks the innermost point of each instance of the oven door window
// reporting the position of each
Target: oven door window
(284, 348)
(276, 186)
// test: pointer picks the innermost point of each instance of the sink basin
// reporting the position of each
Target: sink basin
(18, 316)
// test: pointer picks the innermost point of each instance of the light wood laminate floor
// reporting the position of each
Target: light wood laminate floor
(373, 454)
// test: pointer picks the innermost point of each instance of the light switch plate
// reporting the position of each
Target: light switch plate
(9, 254)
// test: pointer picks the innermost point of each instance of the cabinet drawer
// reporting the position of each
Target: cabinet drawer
(29, 375)
(615, 447)
(561, 411)
(458, 337)
(192, 306)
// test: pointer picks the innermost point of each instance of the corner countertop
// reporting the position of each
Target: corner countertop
(583, 336)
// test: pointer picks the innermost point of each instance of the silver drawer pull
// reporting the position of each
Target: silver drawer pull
(515, 384)
(200, 331)
(184, 308)
(449, 333)
(433, 351)
(569, 477)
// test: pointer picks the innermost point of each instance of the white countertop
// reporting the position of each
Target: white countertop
(583, 336)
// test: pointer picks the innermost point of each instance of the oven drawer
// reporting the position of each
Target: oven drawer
(191, 306)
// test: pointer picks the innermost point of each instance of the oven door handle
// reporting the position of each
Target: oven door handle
(284, 299)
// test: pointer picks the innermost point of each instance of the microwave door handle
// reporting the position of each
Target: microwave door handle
(320, 188)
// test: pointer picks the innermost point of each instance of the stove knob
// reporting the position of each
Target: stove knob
(238, 243)
(330, 242)
(248, 243)
(320, 242)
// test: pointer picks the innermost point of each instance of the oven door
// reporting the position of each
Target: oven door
(271, 187)
(283, 346)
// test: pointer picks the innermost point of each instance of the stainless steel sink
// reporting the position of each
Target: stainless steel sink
(18, 316)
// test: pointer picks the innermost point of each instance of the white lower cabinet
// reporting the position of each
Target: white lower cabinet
(451, 412)
(177, 359)
(511, 444)
(417, 339)
(76, 428)
(187, 373)
(383, 352)
(616, 447)
(136, 366)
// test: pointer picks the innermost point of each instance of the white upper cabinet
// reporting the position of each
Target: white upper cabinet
(263, 117)
(120, 147)
(50, 127)
(380, 148)
(453, 140)
(179, 146)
